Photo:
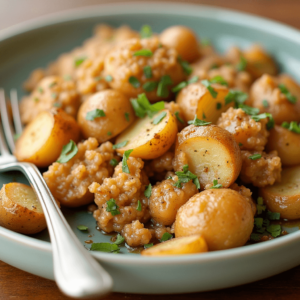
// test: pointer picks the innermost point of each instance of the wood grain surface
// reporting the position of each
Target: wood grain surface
(16, 284)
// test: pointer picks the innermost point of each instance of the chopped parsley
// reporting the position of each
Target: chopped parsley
(67, 77)
(185, 176)
(54, 95)
(112, 207)
(108, 78)
(109, 133)
(293, 126)
(146, 32)
(68, 151)
(127, 116)
(52, 84)
(159, 118)
(150, 86)
(147, 72)
(187, 69)
(120, 145)
(134, 82)
(240, 144)
(193, 80)
(219, 79)
(162, 89)
(82, 227)
(105, 247)
(179, 86)
(139, 206)
(166, 236)
(93, 114)
(212, 91)
(119, 240)
(148, 191)
(178, 117)
(40, 89)
(286, 92)
(241, 66)
(271, 122)
(265, 103)
(216, 185)
(113, 162)
(255, 156)
(126, 155)
(36, 99)
(274, 229)
(142, 106)
(249, 110)
(78, 61)
(218, 105)
(198, 122)
(57, 104)
(143, 52)
(148, 246)
(260, 205)
(273, 215)
(203, 116)
(237, 97)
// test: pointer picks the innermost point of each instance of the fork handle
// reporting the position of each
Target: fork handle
(76, 272)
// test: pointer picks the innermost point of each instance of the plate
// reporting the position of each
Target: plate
(34, 44)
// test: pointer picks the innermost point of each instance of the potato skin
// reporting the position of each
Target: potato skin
(284, 197)
(17, 218)
(222, 216)
(115, 105)
(63, 130)
(221, 138)
(286, 143)
(183, 39)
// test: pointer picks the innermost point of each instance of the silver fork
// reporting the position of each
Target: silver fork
(76, 272)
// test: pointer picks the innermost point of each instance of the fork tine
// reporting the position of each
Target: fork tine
(16, 111)
(3, 146)
(5, 121)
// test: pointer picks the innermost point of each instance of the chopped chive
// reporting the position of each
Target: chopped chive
(148, 246)
(203, 116)
(166, 236)
(255, 156)
(241, 66)
(147, 72)
(162, 89)
(139, 206)
(198, 122)
(52, 84)
(292, 126)
(134, 82)
(146, 32)
(218, 105)
(219, 79)
(143, 52)
(240, 144)
(265, 103)
(142, 106)
(179, 87)
(237, 97)
(78, 61)
(193, 80)
(274, 229)
(187, 69)
(36, 99)
(286, 92)
(249, 110)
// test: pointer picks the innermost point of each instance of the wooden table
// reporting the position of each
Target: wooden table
(16, 284)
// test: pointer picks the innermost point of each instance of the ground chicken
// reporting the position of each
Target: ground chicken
(158, 231)
(266, 95)
(166, 199)
(69, 181)
(249, 134)
(262, 171)
(135, 234)
(128, 72)
(126, 189)
(51, 91)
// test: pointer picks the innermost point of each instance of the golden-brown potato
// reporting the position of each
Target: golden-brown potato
(20, 210)
(118, 112)
(259, 62)
(284, 196)
(166, 199)
(222, 216)
(286, 143)
(42, 140)
(148, 140)
(183, 39)
(195, 99)
(211, 153)
(178, 246)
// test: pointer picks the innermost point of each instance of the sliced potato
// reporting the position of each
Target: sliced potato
(20, 209)
(148, 140)
(284, 196)
(178, 246)
(286, 143)
(211, 153)
(196, 99)
(42, 140)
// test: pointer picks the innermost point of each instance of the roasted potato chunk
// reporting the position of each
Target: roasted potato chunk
(20, 209)
(284, 196)
(149, 140)
(178, 246)
(42, 140)
(222, 216)
(211, 153)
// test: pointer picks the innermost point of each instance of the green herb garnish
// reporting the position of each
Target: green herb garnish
(274, 229)
(146, 32)
(241, 66)
(109, 133)
(148, 246)
(150, 86)
(178, 117)
(198, 122)
(162, 89)
(148, 191)
(126, 155)
(108, 78)
(286, 92)
(255, 156)
(139, 206)
(40, 89)
(105, 247)
(240, 144)
(120, 145)
(82, 227)
(187, 69)
(36, 99)
(260, 205)
(237, 97)
(147, 72)
(113, 162)
(166, 236)
(265, 103)
(218, 105)
(127, 116)
(68, 152)
(93, 114)
(52, 84)
(212, 91)
(78, 61)
(119, 240)
(112, 207)
(219, 79)
(143, 52)
(216, 185)
(57, 104)
(179, 86)
(249, 110)
(134, 82)
(271, 122)
(142, 106)
(293, 126)
(193, 80)
(54, 95)
(205, 42)
(185, 176)
(273, 215)
(159, 118)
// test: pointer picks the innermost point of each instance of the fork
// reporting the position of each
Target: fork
(76, 272)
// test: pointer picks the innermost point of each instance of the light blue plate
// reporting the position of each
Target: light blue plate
(34, 44)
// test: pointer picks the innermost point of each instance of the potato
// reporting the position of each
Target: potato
(195, 99)
(183, 39)
(178, 246)
(148, 140)
(118, 112)
(286, 143)
(20, 209)
(42, 140)
(284, 196)
(259, 62)
(211, 153)
(222, 216)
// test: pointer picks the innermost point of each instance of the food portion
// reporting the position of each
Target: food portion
(161, 131)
